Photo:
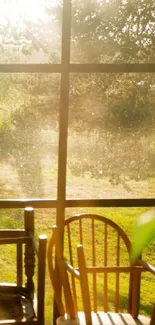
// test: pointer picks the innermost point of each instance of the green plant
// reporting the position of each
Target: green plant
(144, 232)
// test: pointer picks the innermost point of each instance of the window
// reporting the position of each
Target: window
(77, 92)
(77, 98)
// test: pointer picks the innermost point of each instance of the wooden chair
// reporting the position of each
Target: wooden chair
(18, 301)
(100, 263)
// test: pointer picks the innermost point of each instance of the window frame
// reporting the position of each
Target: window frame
(65, 68)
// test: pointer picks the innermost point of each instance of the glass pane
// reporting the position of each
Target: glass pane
(111, 136)
(30, 31)
(113, 31)
(12, 219)
(28, 135)
(48, 215)
(124, 217)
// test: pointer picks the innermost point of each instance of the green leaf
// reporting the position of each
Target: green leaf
(143, 233)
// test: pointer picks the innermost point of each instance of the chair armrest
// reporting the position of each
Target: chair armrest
(147, 266)
(71, 269)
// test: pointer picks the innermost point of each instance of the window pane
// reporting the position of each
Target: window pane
(111, 144)
(28, 135)
(12, 219)
(113, 31)
(30, 31)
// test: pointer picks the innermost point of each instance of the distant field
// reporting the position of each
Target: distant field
(97, 167)
(11, 186)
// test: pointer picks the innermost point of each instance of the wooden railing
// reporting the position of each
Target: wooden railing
(52, 203)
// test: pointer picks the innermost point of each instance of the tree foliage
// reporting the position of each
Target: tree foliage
(113, 31)
(120, 106)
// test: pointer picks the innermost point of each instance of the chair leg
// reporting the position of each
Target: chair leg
(29, 250)
(153, 317)
(136, 294)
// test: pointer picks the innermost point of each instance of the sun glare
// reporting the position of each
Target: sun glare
(24, 9)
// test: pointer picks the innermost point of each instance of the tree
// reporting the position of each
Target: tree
(113, 31)
(31, 106)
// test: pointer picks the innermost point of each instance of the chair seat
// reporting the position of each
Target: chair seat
(15, 307)
(101, 318)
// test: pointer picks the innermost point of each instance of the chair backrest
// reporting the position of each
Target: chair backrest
(93, 262)
(58, 275)
(105, 245)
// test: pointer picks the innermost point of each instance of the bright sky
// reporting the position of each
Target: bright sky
(26, 9)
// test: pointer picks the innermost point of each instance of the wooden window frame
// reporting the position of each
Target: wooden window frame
(65, 68)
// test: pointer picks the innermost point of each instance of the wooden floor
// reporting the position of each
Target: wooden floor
(102, 318)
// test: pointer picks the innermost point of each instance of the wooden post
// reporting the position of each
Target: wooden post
(41, 278)
(63, 122)
(84, 285)
(29, 250)
(136, 280)
(19, 265)
(153, 317)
